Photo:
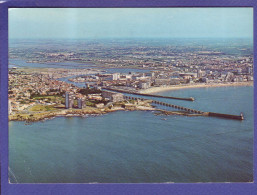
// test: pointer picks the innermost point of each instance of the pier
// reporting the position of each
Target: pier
(236, 117)
(189, 110)
(149, 95)
(167, 105)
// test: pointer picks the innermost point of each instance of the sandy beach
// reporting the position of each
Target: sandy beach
(200, 85)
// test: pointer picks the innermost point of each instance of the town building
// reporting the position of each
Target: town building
(80, 103)
(174, 81)
(9, 107)
(69, 100)
(144, 84)
(115, 76)
(249, 70)
(159, 82)
(112, 96)
(199, 73)
(66, 100)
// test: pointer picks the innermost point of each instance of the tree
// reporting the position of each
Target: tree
(86, 91)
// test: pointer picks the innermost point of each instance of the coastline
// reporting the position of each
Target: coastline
(82, 113)
(74, 112)
(204, 85)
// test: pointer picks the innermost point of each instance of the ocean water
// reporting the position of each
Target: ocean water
(138, 146)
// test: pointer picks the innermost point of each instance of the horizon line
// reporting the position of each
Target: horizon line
(94, 38)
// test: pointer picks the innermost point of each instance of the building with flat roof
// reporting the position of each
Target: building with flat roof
(115, 76)
(9, 107)
(80, 104)
(159, 82)
(69, 100)
(144, 84)
(112, 96)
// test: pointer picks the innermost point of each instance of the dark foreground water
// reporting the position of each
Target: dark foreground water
(131, 147)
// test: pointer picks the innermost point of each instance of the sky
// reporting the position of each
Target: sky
(84, 23)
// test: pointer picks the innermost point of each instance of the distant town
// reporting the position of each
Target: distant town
(33, 91)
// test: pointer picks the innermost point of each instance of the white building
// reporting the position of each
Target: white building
(199, 73)
(144, 84)
(115, 76)
(112, 96)
(9, 107)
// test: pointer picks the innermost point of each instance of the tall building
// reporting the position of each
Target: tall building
(67, 100)
(199, 73)
(249, 70)
(80, 103)
(87, 85)
(9, 107)
(115, 76)
(71, 101)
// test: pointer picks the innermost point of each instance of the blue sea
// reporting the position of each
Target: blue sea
(139, 146)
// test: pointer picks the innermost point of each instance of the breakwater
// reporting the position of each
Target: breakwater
(230, 116)
(149, 95)
(189, 110)
(167, 105)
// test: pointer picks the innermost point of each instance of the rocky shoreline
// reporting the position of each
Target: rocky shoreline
(35, 117)
(40, 116)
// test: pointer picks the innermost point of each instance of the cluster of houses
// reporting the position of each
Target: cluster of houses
(164, 78)
(70, 99)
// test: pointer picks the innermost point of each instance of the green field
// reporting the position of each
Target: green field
(39, 107)
(50, 98)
